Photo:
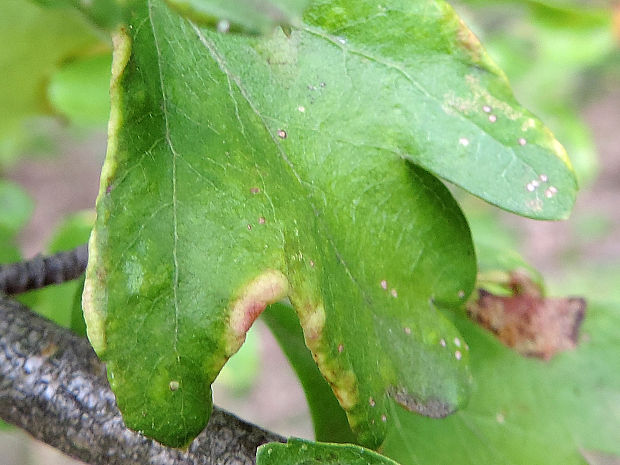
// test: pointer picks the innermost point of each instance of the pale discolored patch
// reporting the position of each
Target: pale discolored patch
(269, 287)
(93, 298)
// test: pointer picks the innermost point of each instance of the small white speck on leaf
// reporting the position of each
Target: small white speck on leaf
(522, 141)
(461, 294)
(255, 190)
(458, 355)
(261, 220)
(486, 109)
(342, 40)
(457, 342)
(340, 348)
(383, 418)
(464, 141)
(312, 263)
(442, 342)
(535, 183)
(301, 109)
(394, 293)
(384, 284)
(500, 418)
(174, 386)
(282, 134)
(223, 26)
(371, 401)
(544, 178)
(492, 118)
(407, 330)
(551, 192)
(249, 227)
(530, 187)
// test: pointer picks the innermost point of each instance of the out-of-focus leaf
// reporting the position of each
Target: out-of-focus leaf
(15, 210)
(79, 90)
(250, 15)
(35, 42)
(105, 13)
(62, 303)
(328, 418)
(525, 411)
(301, 452)
(16, 207)
(241, 371)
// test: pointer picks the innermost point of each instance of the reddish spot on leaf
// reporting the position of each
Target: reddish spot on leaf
(528, 322)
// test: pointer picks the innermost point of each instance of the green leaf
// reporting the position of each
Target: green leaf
(300, 452)
(230, 184)
(251, 15)
(40, 40)
(524, 410)
(328, 418)
(16, 207)
(107, 14)
(15, 210)
(80, 90)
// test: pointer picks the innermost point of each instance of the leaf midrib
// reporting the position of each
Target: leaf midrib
(175, 283)
(222, 65)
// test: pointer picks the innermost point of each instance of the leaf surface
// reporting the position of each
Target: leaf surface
(249, 15)
(300, 452)
(227, 186)
(524, 410)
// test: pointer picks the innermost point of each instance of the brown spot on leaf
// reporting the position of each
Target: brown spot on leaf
(433, 408)
(527, 322)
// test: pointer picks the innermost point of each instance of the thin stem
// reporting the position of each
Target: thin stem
(41, 271)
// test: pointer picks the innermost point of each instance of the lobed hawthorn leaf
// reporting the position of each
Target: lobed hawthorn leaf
(257, 16)
(242, 170)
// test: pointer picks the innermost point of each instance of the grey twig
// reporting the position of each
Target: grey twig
(41, 271)
(53, 385)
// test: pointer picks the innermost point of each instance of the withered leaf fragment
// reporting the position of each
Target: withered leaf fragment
(528, 322)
